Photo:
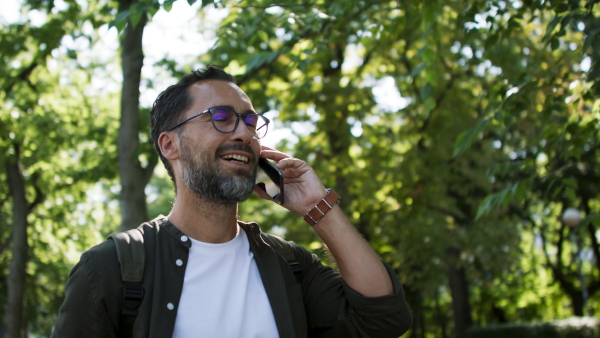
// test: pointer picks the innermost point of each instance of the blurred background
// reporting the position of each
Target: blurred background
(461, 135)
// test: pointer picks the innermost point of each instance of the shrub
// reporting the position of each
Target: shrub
(575, 327)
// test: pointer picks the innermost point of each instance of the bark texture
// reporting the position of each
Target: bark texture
(460, 294)
(14, 320)
(133, 176)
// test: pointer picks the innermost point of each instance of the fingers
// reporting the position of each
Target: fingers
(266, 148)
(260, 190)
(291, 166)
(282, 159)
(290, 163)
(273, 154)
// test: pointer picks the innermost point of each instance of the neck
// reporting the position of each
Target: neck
(204, 220)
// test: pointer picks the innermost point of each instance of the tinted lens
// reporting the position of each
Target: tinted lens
(224, 119)
(257, 124)
(251, 120)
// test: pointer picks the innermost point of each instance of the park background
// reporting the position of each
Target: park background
(461, 135)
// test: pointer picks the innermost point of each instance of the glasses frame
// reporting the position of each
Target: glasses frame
(237, 120)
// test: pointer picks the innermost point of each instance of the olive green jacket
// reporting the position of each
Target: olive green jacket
(322, 305)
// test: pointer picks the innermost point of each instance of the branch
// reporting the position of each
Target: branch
(23, 76)
(559, 246)
(450, 82)
(39, 195)
(438, 101)
(305, 4)
(557, 272)
(307, 34)
(461, 219)
(592, 234)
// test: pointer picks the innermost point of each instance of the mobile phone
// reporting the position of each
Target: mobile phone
(275, 175)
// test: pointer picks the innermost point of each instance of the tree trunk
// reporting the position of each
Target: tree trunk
(14, 321)
(416, 301)
(576, 302)
(460, 294)
(441, 317)
(133, 176)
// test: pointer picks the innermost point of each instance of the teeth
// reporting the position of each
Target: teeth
(238, 158)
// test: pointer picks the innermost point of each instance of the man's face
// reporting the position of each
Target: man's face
(217, 166)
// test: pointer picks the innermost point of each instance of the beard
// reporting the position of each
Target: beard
(206, 181)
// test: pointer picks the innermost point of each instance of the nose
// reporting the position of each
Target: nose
(242, 133)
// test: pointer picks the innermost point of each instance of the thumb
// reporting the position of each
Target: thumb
(261, 191)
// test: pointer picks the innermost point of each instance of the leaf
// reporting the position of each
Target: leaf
(418, 69)
(263, 36)
(153, 9)
(571, 195)
(120, 21)
(569, 182)
(498, 116)
(428, 107)
(257, 60)
(168, 5)
(272, 56)
(520, 193)
(587, 42)
(500, 199)
(137, 11)
(465, 139)
(505, 197)
(591, 218)
(422, 50)
(485, 206)
(551, 26)
(135, 18)
(426, 91)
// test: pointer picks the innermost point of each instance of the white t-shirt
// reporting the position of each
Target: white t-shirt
(223, 295)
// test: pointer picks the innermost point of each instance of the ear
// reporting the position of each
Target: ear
(169, 145)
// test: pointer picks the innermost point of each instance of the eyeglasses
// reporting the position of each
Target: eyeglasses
(226, 120)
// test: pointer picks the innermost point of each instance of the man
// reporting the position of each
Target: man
(208, 274)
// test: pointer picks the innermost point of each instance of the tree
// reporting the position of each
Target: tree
(34, 108)
(458, 179)
(299, 66)
(546, 123)
(459, 66)
(134, 177)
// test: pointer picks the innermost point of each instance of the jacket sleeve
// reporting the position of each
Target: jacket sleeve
(86, 310)
(334, 309)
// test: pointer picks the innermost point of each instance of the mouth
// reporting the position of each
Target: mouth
(236, 158)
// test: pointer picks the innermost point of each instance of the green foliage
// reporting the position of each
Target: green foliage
(586, 327)
(548, 126)
(161, 195)
(496, 134)
(453, 168)
(57, 133)
(132, 12)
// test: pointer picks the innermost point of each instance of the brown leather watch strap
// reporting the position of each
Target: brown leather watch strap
(317, 213)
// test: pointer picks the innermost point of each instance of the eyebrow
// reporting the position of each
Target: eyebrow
(248, 111)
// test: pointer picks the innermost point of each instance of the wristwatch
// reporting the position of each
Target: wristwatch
(316, 214)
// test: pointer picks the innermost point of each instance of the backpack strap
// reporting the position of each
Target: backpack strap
(132, 259)
(285, 249)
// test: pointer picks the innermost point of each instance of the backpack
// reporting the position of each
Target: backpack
(131, 254)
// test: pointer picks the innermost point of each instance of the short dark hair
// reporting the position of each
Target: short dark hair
(175, 100)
